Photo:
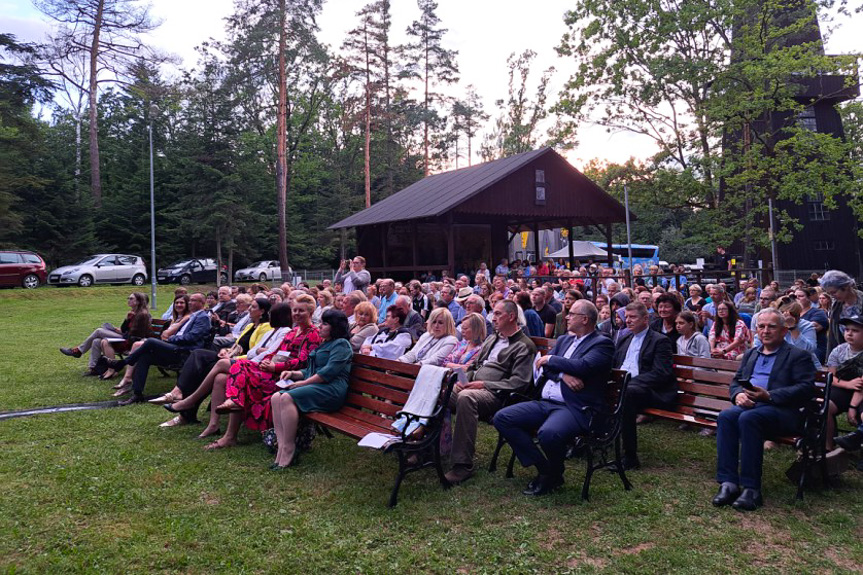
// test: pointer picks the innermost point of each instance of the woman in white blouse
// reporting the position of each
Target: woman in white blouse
(436, 343)
(392, 340)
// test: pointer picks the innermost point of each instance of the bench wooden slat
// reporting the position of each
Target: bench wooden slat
(696, 388)
(372, 404)
(379, 391)
(340, 424)
(707, 403)
(366, 418)
(711, 363)
(405, 369)
(382, 378)
(719, 377)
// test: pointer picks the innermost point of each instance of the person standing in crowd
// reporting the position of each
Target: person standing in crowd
(352, 274)
(387, 296)
(545, 312)
(847, 302)
(817, 317)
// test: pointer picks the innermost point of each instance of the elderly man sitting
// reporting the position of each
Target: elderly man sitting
(474, 304)
(576, 373)
(504, 365)
(770, 386)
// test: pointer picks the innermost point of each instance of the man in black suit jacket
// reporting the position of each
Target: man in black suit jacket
(770, 386)
(576, 372)
(647, 356)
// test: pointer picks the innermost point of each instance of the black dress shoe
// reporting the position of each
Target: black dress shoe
(543, 485)
(728, 494)
(71, 351)
(631, 462)
(749, 500)
(170, 407)
(115, 364)
(134, 398)
(850, 442)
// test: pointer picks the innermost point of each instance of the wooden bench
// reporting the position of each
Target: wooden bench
(377, 392)
(704, 386)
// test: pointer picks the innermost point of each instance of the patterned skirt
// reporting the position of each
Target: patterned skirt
(251, 388)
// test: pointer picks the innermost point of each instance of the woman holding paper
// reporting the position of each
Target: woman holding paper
(320, 387)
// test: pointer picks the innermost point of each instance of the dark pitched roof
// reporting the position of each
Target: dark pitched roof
(439, 193)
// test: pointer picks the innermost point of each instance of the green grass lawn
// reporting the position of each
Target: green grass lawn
(109, 492)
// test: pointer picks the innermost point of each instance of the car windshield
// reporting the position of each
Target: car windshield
(179, 265)
(89, 261)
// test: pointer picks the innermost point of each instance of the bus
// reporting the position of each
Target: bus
(644, 254)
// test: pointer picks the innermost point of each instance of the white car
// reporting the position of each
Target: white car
(101, 269)
(263, 271)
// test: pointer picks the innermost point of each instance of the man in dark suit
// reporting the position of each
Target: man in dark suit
(647, 356)
(575, 373)
(173, 351)
(770, 386)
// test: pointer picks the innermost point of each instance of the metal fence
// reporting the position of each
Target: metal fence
(787, 277)
(313, 276)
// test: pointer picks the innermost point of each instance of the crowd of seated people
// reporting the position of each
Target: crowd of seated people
(266, 355)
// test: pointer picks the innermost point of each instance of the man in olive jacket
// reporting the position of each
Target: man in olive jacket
(504, 365)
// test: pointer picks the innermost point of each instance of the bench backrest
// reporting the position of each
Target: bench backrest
(704, 384)
(543, 344)
(378, 388)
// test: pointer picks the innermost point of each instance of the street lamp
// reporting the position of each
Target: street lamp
(152, 216)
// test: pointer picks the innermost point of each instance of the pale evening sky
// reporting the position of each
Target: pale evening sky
(484, 32)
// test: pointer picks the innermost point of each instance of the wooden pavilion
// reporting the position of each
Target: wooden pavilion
(454, 220)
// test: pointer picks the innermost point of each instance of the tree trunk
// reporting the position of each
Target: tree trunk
(218, 260)
(368, 167)
(95, 174)
(281, 137)
(230, 262)
(426, 118)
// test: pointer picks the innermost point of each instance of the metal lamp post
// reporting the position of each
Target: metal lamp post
(152, 218)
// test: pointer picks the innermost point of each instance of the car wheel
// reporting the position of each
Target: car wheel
(185, 279)
(30, 281)
(138, 280)
(85, 280)
(263, 277)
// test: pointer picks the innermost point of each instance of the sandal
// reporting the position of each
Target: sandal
(125, 390)
(228, 407)
(164, 399)
(123, 383)
(106, 376)
(216, 445)
(174, 422)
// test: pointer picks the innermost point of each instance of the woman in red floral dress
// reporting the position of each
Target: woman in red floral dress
(250, 384)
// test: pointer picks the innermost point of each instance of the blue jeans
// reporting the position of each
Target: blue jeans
(740, 440)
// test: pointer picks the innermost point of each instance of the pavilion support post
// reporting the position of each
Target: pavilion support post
(536, 242)
(342, 242)
(608, 245)
(450, 245)
(569, 237)
(414, 246)
(384, 248)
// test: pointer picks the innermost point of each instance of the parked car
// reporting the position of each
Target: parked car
(22, 268)
(191, 271)
(102, 269)
(266, 270)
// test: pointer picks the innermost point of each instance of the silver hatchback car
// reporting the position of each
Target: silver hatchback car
(101, 269)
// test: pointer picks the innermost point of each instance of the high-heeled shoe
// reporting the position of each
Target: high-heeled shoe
(295, 460)
(164, 399)
(170, 407)
(230, 408)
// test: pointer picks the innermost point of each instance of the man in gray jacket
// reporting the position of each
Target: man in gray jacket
(357, 278)
(504, 365)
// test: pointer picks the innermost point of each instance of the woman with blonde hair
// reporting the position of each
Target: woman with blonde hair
(473, 333)
(325, 302)
(364, 326)
(436, 343)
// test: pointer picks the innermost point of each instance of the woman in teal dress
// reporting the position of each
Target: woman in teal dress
(320, 387)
